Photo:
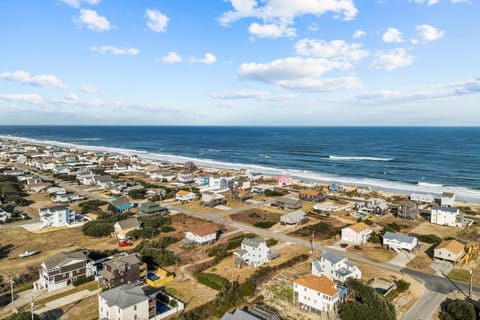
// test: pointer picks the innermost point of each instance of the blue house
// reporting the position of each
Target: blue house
(121, 204)
(334, 187)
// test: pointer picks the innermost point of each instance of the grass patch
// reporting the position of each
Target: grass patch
(459, 275)
(90, 286)
(264, 224)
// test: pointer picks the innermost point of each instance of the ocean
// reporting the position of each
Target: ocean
(404, 159)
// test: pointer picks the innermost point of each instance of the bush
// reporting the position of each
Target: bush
(91, 205)
(459, 310)
(374, 238)
(23, 315)
(211, 280)
(392, 227)
(83, 280)
(137, 194)
(429, 238)
(97, 228)
(264, 224)
(273, 193)
(402, 285)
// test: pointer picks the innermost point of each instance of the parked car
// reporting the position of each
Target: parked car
(125, 243)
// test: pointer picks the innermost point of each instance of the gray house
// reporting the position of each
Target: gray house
(288, 203)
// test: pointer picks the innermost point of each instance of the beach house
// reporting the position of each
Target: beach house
(399, 241)
(356, 233)
(446, 216)
(335, 267)
(294, 217)
(285, 181)
(185, 196)
(203, 235)
(407, 210)
(61, 269)
(125, 302)
(121, 204)
(421, 198)
(151, 209)
(318, 293)
(254, 252)
(449, 250)
(56, 216)
(125, 226)
(447, 199)
(286, 203)
(122, 270)
(212, 199)
(310, 195)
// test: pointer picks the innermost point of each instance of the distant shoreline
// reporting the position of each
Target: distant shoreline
(463, 193)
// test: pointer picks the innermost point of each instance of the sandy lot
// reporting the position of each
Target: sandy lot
(374, 251)
(441, 231)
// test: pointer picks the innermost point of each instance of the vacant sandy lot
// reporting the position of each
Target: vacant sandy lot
(441, 231)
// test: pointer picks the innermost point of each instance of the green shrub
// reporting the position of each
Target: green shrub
(264, 224)
(273, 193)
(83, 280)
(97, 228)
(211, 280)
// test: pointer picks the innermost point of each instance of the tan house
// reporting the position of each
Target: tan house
(125, 226)
(449, 250)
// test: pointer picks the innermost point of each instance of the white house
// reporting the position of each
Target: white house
(446, 216)
(318, 293)
(56, 216)
(357, 233)
(261, 188)
(447, 199)
(294, 217)
(162, 175)
(254, 252)
(421, 198)
(399, 241)
(123, 303)
(449, 250)
(201, 236)
(4, 215)
(335, 267)
(185, 196)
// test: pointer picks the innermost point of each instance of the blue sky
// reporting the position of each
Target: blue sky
(240, 62)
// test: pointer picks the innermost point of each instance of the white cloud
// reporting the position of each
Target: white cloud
(30, 98)
(71, 97)
(433, 2)
(392, 35)
(88, 89)
(171, 58)
(41, 80)
(429, 33)
(313, 27)
(336, 50)
(156, 20)
(258, 95)
(207, 59)
(226, 105)
(391, 60)
(358, 34)
(271, 30)
(298, 73)
(93, 21)
(116, 51)
(78, 3)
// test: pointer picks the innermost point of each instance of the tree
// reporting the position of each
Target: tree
(22, 316)
(459, 310)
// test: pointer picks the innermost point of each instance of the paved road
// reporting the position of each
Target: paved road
(424, 308)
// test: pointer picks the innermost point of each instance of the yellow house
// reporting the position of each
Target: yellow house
(159, 277)
(125, 226)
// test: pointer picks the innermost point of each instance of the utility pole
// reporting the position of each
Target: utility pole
(33, 307)
(313, 243)
(471, 283)
(11, 291)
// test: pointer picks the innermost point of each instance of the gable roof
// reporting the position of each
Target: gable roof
(358, 227)
(451, 245)
(445, 209)
(124, 296)
(253, 242)
(310, 192)
(183, 193)
(64, 257)
(131, 259)
(205, 230)
(120, 201)
(400, 237)
(128, 224)
(318, 283)
(332, 257)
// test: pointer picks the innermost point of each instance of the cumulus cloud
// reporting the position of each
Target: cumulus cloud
(41, 80)
(429, 33)
(29, 98)
(391, 60)
(298, 73)
(171, 58)
(156, 20)
(258, 95)
(358, 34)
(93, 21)
(338, 50)
(207, 59)
(278, 15)
(433, 2)
(271, 30)
(116, 51)
(88, 89)
(78, 3)
(392, 35)
(71, 97)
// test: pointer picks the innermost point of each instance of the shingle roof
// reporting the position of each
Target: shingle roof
(183, 193)
(452, 245)
(310, 192)
(358, 227)
(120, 201)
(253, 242)
(332, 257)
(399, 237)
(239, 314)
(448, 194)
(447, 209)
(124, 296)
(63, 257)
(205, 230)
(318, 283)
(131, 259)
(129, 223)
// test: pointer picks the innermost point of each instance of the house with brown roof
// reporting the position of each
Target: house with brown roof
(449, 250)
(310, 195)
(125, 269)
(318, 293)
(125, 226)
(203, 235)
(185, 196)
(356, 233)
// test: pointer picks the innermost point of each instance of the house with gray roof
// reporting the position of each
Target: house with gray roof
(294, 217)
(61, 269)
(123, 227)
(239, 314)
(288, 203)
(151, 208)
(446, 216)
(399, 241)
(254, 252)
(123, 303)
(335, 267)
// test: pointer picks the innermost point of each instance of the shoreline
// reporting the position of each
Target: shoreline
(463, 193)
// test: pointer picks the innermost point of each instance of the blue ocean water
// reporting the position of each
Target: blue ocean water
(430, 158)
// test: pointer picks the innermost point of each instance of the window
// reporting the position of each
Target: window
(135, 307)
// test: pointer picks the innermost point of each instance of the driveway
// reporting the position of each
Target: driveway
(402, 259)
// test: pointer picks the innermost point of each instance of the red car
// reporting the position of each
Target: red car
(125, 243)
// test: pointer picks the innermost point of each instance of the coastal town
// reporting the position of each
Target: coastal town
(89, 234)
